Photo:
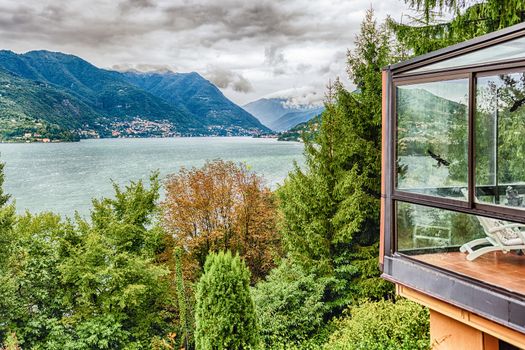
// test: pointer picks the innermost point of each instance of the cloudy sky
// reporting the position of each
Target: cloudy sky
(250, 48)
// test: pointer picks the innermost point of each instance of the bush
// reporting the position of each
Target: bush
(382, 325)
(290, 308)
(225, 312)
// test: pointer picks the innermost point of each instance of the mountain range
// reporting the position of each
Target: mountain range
(279, 115)
(56, 96)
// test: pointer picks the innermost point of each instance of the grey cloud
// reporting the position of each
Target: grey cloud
(279, 71)
(234, 20)
(241, 84)
(274, 56)
(303, 68)
(324, 69)
(297, 41)
(128, 5)
(225, 78)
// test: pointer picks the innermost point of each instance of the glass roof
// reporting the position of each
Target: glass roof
(508, 50)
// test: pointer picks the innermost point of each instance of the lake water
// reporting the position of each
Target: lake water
(63, 177)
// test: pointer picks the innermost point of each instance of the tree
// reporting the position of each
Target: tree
(225, 312)
(429, 31)
(9, 303)
(181, 298)
(291, 308)
(88, 284)
(331, 210)
(118, 292)
(221, 206)
(4, 198)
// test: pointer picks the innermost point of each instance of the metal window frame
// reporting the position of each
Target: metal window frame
(476, 208)
(490, 301)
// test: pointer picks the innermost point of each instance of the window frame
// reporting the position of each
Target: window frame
(416, 196)
(489, 301)
(470, 206)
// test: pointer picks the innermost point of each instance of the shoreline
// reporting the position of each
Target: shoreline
(21, 142)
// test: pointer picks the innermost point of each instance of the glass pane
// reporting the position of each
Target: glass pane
(478, 247)
(500, 140)
(432, 140)
(505, 51)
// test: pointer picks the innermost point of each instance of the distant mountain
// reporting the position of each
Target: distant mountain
(196, 95)
(292, 119)
(267, 110)
(276, 114)
(100, 103)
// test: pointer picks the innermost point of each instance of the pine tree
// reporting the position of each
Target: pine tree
(331, 210)
(429, 30)
(225, 312)
(181, 298)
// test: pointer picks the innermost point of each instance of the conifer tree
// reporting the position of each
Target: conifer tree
(181, 298)
(431, 29)
(225, 312)
(331, 210)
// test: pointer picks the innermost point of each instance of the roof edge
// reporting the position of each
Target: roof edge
(459, 46)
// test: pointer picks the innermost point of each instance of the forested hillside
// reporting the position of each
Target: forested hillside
(112, 103)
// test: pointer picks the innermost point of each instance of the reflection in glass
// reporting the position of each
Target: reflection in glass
(424, 229)
(432, 152)
(500, 141)
(509, 50)
(478, 247)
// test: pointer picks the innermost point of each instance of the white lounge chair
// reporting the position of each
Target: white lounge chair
(500, 236)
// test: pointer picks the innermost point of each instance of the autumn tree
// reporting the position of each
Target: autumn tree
(221, 206)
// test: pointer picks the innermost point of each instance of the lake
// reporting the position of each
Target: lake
(63, 177)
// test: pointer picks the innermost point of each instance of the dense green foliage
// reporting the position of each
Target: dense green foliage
(429, 30)
(291, 307)
(225, 311)
(331, 210)
(302, 130)
(86, 285)
(383, 325)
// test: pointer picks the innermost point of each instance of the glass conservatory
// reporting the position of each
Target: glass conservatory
(453, 185)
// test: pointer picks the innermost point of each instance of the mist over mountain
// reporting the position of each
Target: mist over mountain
(50, 94)
(279, 115)
(196, 95)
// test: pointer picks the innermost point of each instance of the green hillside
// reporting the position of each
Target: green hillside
(76, 99)
(28, 106)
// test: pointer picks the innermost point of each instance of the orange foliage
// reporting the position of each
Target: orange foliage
(222, 206)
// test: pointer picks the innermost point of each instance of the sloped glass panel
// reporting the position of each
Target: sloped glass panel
(432, 138)
(508, 50)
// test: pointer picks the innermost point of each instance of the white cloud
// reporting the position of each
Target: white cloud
(263, 46)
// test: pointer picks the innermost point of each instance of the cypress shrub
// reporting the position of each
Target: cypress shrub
(225, 311)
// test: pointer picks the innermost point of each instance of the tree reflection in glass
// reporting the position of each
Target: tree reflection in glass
(432, 138)
(499, 140)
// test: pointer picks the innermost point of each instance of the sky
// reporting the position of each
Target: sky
(250, 49)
